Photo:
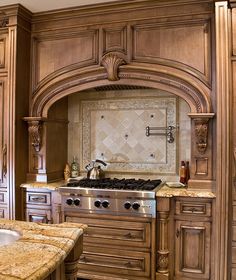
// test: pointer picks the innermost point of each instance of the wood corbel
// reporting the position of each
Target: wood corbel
(201, 123)
(112, 61)
(35, 131)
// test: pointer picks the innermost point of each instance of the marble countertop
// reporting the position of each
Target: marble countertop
(39, 250)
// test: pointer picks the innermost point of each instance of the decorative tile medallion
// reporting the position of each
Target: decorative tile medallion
(115, 132)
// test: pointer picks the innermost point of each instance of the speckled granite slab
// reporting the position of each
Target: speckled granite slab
(171, 192)
(40, 249)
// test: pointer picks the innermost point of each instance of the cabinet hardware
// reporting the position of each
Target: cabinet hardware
(37, 198)
(193, 210)
(128, 264)
(4, 160)
(177, 233)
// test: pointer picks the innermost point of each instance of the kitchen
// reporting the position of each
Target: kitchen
(127, 68)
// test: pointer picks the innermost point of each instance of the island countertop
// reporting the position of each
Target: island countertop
(39, 251)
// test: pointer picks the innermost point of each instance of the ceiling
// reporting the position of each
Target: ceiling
(47, 5)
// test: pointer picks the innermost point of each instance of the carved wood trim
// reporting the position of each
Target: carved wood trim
(162, 244)
(35, 131)
(112, 61)
(35, 134)
(201, 130)
(175, 81)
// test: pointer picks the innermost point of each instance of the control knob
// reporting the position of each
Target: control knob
(105, 204)
(127, 205)
(77, 201)
(69, 201)
(136, 205)
(97, 203)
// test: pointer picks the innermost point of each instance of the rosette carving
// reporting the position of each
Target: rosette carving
(112, 62)
(35, 134)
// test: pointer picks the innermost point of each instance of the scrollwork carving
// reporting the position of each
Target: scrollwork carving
(35, 134)
(112, 62)
(201, 134)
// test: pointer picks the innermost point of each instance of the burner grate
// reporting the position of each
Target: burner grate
(117, 184)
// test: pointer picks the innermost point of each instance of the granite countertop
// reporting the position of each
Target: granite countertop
(39, 250)
(39, 185)
(166, 191)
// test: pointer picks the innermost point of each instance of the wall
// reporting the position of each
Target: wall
(110, 125)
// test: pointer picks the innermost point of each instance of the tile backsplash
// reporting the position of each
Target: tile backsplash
(111, 126)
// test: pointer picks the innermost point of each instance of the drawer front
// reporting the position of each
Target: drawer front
(115, 232)
(196, 208)
(38, 216)
(115, 262)
(38, 198)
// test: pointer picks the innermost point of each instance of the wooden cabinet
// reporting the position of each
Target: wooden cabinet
(42, 205)
(116, 247)
(14, 105)
(38, 206)
(192, 239)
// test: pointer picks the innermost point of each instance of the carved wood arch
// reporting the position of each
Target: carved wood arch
(169, 79)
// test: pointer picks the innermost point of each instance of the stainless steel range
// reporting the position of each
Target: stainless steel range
(113, 196)
(120, 242)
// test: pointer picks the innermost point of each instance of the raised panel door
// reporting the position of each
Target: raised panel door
(192, 251)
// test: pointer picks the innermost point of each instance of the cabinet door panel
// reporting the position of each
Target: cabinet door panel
(192, 255)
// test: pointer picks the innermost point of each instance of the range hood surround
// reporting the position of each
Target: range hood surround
(111, 58)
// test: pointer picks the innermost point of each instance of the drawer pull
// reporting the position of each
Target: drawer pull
(130, 236)
(128, 265)
(83, 259)
(177, 233)
(37, 198)
(194, 210)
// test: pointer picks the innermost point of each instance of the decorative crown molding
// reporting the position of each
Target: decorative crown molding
(112, 61)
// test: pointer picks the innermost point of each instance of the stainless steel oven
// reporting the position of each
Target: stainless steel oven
(120, 241)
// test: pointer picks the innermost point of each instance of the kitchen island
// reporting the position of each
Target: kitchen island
(42, 251)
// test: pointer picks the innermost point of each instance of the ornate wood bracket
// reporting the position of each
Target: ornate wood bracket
(112, 61)
(201, 121)
(35, 132)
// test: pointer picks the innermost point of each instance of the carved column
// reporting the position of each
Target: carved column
(163, 210)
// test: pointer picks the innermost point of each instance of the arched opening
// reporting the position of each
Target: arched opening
(51, 97)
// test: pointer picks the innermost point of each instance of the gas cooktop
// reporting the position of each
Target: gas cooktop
(116, 184)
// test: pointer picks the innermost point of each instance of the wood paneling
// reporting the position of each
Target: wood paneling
(2, 52)
(187, 44)
(55, 52)
(115, 39)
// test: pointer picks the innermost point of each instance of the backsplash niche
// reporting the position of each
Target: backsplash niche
(138, 132)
